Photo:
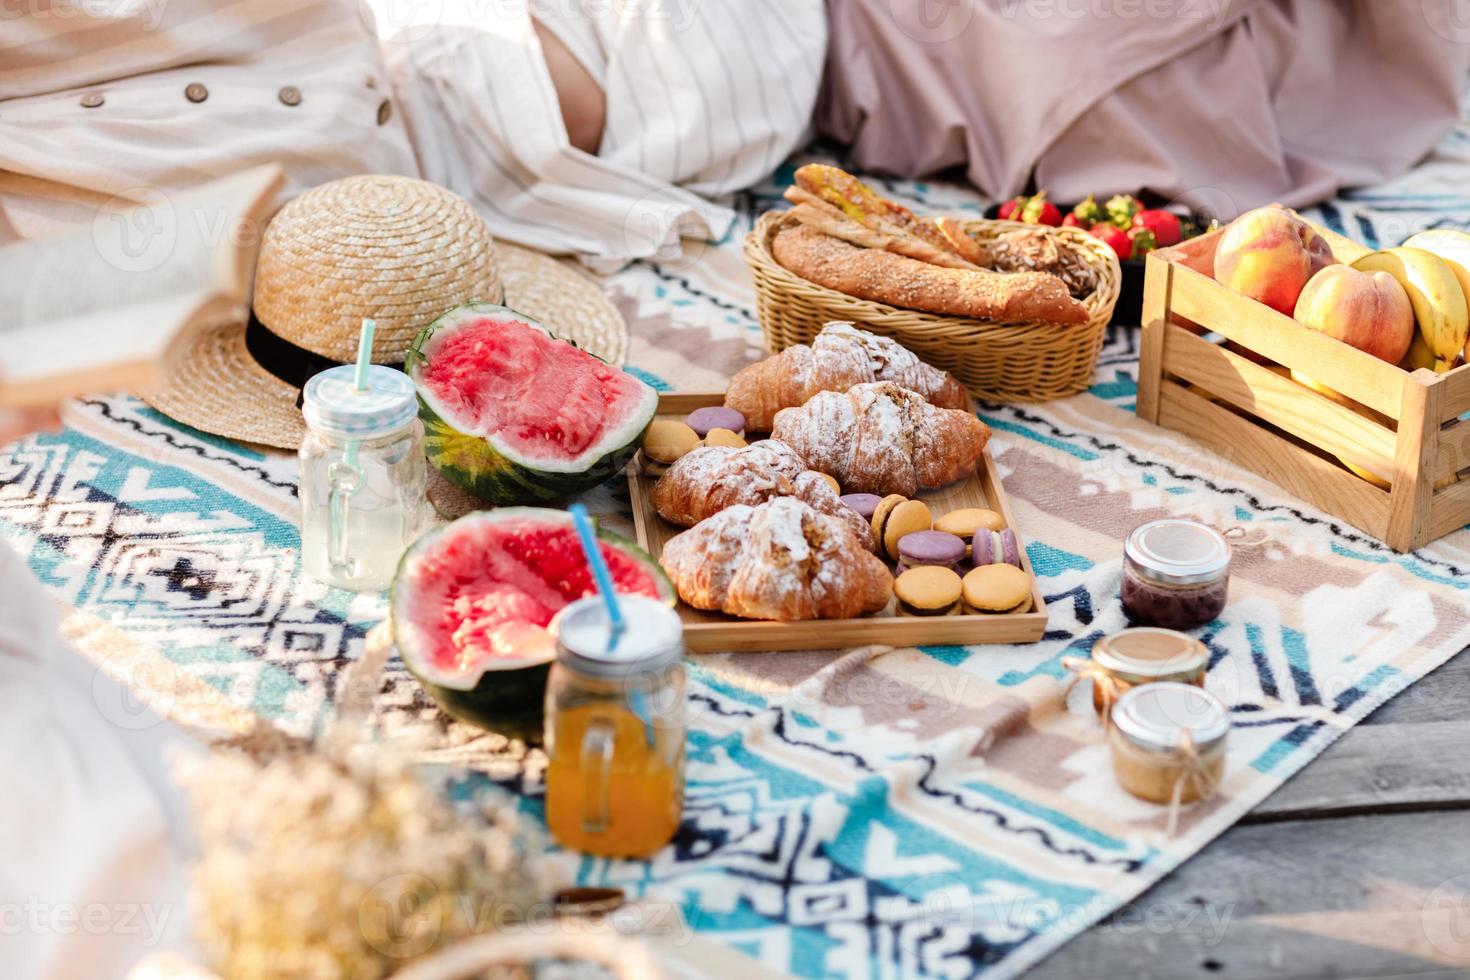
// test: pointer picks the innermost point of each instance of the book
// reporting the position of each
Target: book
(105, 307)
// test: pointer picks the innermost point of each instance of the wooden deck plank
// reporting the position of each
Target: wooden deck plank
(1380, 896)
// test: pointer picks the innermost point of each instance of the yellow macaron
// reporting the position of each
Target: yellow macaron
(997, 589)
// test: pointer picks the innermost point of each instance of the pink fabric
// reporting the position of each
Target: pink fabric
(1222, 104)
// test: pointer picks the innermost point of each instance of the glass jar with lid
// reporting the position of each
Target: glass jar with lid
(1176, 574)
(615, 728)
(1168, 742)
(1128, 658)
(363, 476)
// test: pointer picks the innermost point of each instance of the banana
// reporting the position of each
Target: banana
(1439, 303)
(1419, 355)
(1453, 246)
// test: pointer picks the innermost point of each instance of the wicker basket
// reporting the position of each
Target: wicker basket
(998, 362)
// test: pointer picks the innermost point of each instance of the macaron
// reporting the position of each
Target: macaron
(930, 548)
(928, 591)
(863, 503)
(896, 516)
(706, 420)
(724, 437)
(831, 481)
(996, 548)
(966, 522)
(996, 589)
(664, 442)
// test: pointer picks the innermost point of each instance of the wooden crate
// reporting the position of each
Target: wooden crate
(1241, 402)
(710, 632)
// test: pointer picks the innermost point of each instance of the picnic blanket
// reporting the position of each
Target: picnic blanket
(934, 811)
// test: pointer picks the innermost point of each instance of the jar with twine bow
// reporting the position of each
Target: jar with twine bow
(1168, 744)
(1128, 658)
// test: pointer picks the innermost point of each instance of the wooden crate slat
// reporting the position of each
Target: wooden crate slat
(1247, 444)
(1454, 450)
(1156, 285)
(1413, 487)
(1455, 401)
(1449, 510)
(1279, 338)
(1281, 401)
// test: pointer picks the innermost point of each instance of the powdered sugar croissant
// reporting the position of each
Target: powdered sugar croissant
(841, 356)
(709, 479)
(781, 560)
(880, 438)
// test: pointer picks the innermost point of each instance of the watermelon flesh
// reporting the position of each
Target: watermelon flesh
(513, 415)
(480, 594)
(544, 399)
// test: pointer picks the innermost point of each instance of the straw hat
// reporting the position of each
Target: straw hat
(396, 249)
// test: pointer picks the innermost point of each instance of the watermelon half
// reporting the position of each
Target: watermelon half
(515, 416)
(472, 602)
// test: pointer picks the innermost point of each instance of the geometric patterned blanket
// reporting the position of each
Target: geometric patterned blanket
(873, 812)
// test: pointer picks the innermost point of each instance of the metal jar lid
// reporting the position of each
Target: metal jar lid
(652, 639)
(331, 402)
(1178, 552)
(1152, 715)
(1149, 653)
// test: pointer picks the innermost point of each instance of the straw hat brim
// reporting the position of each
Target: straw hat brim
(216, 386)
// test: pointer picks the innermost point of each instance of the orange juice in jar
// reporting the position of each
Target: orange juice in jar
(615, 729)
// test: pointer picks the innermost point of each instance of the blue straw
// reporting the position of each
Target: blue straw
(600, 574)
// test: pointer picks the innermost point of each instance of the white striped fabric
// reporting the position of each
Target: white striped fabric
(128, 98)
(704, 98)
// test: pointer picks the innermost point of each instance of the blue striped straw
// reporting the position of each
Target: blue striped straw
(600, 574)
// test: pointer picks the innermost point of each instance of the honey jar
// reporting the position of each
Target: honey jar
(1123, 660)
(1168, 743)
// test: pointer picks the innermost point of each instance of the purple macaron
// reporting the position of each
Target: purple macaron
(864, 503)
(930, 548)
(996, 548)
(702, 420)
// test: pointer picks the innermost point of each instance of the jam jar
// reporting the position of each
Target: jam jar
(1176, 574)
(1168, 742)
(1145, 655)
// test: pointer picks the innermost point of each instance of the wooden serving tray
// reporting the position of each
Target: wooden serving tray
(709, 632)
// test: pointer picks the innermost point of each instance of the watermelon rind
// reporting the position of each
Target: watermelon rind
(505, 695)
(488, 468)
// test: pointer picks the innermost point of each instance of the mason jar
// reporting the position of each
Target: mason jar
(615, 728)
(363, 487)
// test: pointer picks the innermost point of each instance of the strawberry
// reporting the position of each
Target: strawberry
(1010, 210)
(1088, 213)
(1121, 208)
(1143, 240)
(1116, 239)
(1072, 221)
(1040, 211)
(1035, 210)
(1163, 224)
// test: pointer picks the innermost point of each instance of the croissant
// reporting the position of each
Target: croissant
(841, 356)
(706, 481)
(880, 438)
(781, 560)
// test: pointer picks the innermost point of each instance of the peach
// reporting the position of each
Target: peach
(1369, 311)
(1269, 254)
